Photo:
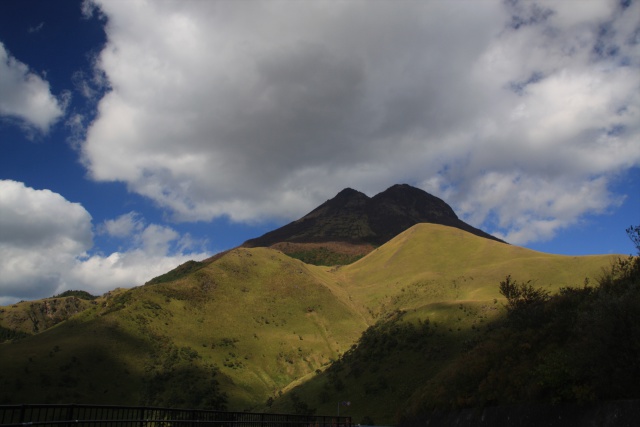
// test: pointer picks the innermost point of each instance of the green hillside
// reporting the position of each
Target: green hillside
(432, 294)
(258, 318)
(31, 317)
(432, 263)
(255, 329)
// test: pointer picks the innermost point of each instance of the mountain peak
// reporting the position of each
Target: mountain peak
(351, 217)
(349, 192)
(417, 201)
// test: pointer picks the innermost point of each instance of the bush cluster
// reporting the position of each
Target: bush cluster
(578, 346)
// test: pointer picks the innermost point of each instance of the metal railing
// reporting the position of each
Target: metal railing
(142, 416)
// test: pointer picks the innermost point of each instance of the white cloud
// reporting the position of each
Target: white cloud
(123, 226)
(44, 240)
(36, 28)
(25, 95)
(157, 239)
(265, 109)
(99, 274)
(541, 206)
(41, 234)
(151, 250)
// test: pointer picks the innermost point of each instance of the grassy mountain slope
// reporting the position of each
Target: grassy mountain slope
(260, 317)
(254, 325)
(326, 253)
(433, 294)
(577, 346)
(31, 317)
(432, 263)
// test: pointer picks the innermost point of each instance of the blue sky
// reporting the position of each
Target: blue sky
(136, 135)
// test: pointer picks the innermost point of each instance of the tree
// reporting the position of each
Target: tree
(519, 295)
(524, 302)
(634, 234)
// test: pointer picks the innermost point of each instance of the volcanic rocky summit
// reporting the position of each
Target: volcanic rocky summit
(352, 224)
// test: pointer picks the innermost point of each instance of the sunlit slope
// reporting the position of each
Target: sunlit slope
(445, 283)
(262, 318)
(265, 318)
(31, 317)
(431, 263)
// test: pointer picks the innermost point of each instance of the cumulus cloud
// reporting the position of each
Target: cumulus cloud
(25, 95)
(148, 251)
(257, 110)
(123, 226)
(41, 235)
(45, 242)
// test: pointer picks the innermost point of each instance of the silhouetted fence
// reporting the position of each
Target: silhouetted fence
(138, 416)
(618, 413)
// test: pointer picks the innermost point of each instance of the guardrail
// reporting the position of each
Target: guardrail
(142, 416)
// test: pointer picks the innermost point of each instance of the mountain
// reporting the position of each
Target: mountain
(254, 329)
(31, 317)
(246, 324)
(352, 224)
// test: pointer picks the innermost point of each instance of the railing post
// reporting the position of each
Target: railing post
(22, 411)
(193, 417)
(70, 411)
